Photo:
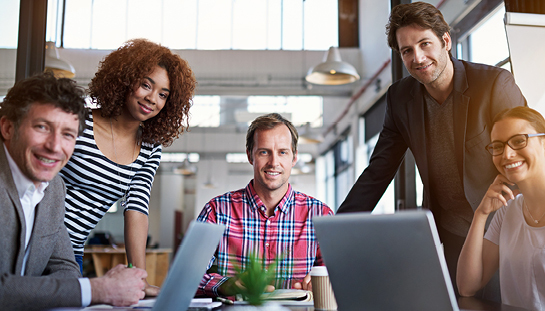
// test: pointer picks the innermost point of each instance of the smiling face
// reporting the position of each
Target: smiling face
(519, 165)
(147, 100)
(272, 159)
(425, 55)
(43, 142)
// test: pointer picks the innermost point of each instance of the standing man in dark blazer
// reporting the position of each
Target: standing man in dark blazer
(443, 113)
(40, 119)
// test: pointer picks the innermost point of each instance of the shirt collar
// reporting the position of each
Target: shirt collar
(283, 205)
(22, 183)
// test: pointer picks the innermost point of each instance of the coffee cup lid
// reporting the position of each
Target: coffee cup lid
(318, 271)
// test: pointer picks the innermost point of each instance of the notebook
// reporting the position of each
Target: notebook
(386, 262)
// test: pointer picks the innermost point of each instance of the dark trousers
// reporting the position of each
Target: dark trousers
(79, 260)
(452, 245)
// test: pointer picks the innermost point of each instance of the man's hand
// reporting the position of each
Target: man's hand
(151, 290)
(233, 286)
(228, 288)
(304, 284)
(121, 286)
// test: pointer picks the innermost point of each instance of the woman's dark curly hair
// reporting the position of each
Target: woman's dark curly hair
(122, 71)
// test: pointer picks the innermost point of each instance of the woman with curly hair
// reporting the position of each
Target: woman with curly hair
(143, 93)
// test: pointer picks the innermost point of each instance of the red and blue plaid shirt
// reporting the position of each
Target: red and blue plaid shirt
(288, 234)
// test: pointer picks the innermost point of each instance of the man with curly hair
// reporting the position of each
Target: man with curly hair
(143, 93)
(40, 119)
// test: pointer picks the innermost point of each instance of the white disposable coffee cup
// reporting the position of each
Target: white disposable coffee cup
(324, 299)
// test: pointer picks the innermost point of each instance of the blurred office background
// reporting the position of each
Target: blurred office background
(251, 57)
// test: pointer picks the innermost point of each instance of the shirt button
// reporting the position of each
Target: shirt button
(266, 244)
(268, 222)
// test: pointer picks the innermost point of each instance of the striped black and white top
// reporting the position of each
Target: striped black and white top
(94, 183)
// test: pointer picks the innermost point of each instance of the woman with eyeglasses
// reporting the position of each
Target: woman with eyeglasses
(514, 242)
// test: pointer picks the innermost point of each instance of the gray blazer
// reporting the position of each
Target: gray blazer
(51, 273)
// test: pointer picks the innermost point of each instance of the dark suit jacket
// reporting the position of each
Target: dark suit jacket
(51, 273)
(479, 93)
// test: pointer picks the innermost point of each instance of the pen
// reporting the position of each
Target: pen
(225, 300)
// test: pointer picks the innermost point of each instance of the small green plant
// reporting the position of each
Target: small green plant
(255, 279)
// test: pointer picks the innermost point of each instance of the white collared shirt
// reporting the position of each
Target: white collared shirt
(30, 196)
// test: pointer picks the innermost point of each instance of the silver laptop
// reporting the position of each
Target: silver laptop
(386, 262)
(189, 265)
(185, 273)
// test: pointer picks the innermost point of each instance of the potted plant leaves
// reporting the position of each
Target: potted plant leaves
(252, 283)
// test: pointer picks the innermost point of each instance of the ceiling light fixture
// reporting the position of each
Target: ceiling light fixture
(309, 136)
(186, 168)
(333, 71)
(59, 67)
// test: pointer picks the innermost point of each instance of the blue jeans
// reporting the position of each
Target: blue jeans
(79, 260)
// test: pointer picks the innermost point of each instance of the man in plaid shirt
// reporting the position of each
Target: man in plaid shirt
(268, 217)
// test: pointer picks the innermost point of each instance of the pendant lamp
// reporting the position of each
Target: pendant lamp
(59, 67)
(333, 71)
(186, 168)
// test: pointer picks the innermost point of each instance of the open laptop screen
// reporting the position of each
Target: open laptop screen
(385, 262)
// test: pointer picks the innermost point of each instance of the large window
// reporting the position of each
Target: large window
(215, 111)
(334, 173)
(487, 42)
(325, 179)
(199, 24)
(9, 15)
(386, 204)
(343, 151)
(205, 111)
(303, 109)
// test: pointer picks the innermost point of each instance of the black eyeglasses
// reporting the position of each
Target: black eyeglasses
(516, 142)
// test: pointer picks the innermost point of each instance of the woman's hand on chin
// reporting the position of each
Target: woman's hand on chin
(496, 196)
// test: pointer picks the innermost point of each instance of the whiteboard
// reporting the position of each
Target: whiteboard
(525, 37)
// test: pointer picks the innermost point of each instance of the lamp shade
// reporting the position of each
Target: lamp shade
(59, 67)
(333, 71)
(308, 136)
(186, 168)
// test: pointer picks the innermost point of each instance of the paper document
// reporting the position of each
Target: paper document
(288, 297)
(196, 303)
